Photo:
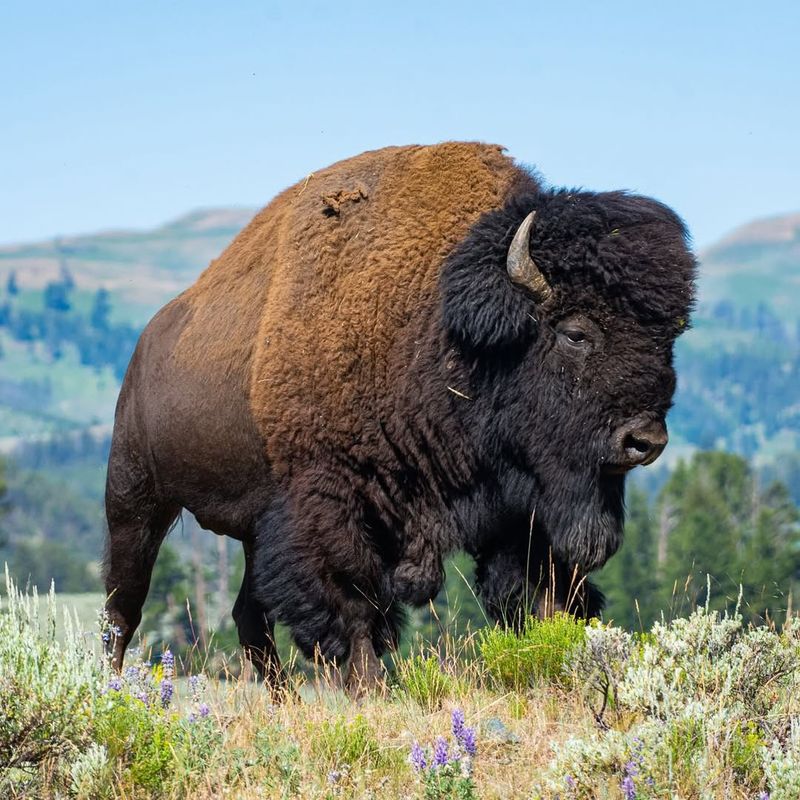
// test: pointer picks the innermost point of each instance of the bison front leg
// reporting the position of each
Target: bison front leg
(315, 570)
(515, 581)
(364, 670)
(256, 629)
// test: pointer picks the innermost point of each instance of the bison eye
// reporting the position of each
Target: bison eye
(577, 334)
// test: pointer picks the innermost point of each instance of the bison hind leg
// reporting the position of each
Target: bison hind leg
(138, 521)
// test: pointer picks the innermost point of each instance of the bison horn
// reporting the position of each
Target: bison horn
(521, 267)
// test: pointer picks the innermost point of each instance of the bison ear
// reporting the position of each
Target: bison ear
(484, 304)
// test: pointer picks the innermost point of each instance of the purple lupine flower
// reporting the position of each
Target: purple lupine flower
(168, 663)
(631, 768)
(457, 720)
(570, 781)
(202, 712)
(468, 742)
(131, 673)
(196, 687)
(166, 692)
(441, 756)
(417, 758)
(463, 735)
(763, 796)
(628, 788)
(115, 683)
(142, 695)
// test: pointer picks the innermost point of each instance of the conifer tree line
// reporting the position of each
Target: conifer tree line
(56, 321)
(715, 530)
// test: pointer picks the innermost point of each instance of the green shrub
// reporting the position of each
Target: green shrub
(47, 688)
(746, 753)
(423, 680)
(705, 704)
(139, 739)
(538, 654)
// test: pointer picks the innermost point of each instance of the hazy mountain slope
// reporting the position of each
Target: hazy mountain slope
(756, 263)
(143, 269)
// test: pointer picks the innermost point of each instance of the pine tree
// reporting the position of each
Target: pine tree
(11, 284)
(101, 310)
(720, 525)
(772, 554)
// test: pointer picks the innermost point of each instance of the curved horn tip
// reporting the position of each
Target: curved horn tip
(521, 267)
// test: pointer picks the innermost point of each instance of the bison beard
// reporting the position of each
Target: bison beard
(582, 519)
(412, 352)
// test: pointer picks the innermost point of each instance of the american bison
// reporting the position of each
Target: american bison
(414, 351)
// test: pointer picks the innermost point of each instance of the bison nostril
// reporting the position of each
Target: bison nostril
(637, 444)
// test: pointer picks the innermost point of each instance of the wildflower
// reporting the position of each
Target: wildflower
(463, 735)
(417, 758)
(628, 788)
(112, 630)
(203, 710)
(131, 673)
(142, 695)
(168, 663)
(763, 796)
(196, 687)
(457, 720)
(334, 776)
(167, 690)
(570, 781)
(440, 752)
(115, 683)
(468, 742)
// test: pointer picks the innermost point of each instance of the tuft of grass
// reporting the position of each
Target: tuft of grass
(341, 742)
(422, 679)
(537, 655)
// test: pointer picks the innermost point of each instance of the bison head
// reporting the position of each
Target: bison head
(564, 307)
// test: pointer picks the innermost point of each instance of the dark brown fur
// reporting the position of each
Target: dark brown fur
(329, 394)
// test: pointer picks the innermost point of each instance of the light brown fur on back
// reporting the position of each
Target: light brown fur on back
(325, 278)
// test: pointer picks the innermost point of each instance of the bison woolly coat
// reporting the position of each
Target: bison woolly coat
(356, 388)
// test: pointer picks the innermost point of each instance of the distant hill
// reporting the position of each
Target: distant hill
(756, 263)
(143, 269)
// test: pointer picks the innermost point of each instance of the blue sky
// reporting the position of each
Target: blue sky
(127, 115)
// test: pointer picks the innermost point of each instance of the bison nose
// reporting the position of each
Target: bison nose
(639, 442)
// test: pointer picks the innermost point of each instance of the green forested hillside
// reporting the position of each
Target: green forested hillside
(757, 263)
(71, 310)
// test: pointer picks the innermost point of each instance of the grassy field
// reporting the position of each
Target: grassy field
(701, 707)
